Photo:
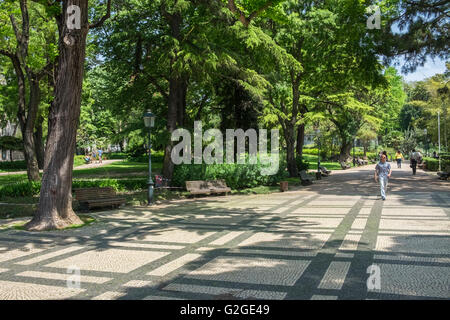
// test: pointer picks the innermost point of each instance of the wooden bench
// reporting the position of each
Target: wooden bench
(207, 187)
(344, 165)
(305, 179)
(324, 171)
(443, 175)
(98, 197)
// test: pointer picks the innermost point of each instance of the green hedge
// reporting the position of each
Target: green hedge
(29, 189)
(116, 156)
(22, 166)
(14, 165)
(237, 176)
(433, 164)
(313, 152)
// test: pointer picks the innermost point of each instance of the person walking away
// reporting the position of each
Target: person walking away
(415, 157)
(100, 153)
(383, 172)
(399, 157)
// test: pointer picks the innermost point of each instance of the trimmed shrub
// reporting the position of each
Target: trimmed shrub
(21, 189)
(29, 189)
(116, 155)
(14, 165)
(237, 176)
(432, 164)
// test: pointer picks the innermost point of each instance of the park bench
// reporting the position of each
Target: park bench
(443, 175)
(207, 187)
(324, 171)
(98, 197)
(344, 165)
(305, 179)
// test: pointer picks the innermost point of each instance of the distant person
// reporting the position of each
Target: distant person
(100, 153)
(399, 158)
(383, 172)
(93, 155)
(415, 157)
(435, 155)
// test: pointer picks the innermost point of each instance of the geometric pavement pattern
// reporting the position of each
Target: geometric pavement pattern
(313, 243)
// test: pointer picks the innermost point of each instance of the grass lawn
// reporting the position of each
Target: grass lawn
(116, 169)
(312, 160)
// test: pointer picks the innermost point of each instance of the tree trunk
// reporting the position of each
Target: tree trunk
(346, 147)
(290, 152)
(28, 131)
(55, 204)
(300, 140)
(176, 96)
(38, 141)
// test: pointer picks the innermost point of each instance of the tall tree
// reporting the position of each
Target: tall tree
(55, 204)
(29, 72)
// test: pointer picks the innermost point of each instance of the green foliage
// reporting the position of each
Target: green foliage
(13, 166)
(29, 189)
(137, 153)
(116, 155)
(22, 189)
(11, 143)
(433, 164)
(237, 176)
(302, 164)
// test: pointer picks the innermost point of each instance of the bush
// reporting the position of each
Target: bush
(116, 155)
(237, 176)
(302, 164)
(29, 189)
(15, 165)
(21, 189)
(433, 164)
(137, 153)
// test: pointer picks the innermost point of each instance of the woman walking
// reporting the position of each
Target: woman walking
(399, 157)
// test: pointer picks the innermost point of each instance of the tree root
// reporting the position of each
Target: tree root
(52, 222)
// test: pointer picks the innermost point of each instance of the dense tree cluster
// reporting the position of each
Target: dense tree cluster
(293, 65)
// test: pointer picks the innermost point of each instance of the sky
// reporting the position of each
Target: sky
(430, 68)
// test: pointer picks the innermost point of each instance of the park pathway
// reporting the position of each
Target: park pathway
(314, 243)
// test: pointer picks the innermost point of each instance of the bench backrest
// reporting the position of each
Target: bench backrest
(94, 193)
(217, 184)
(205, 185)
(323, 169)
(197, 185)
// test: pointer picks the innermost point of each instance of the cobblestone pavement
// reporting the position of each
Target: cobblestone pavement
(314, 243)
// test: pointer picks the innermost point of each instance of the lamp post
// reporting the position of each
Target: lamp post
(318, 174)
(426, 141)
(439, 139)
(149, 121)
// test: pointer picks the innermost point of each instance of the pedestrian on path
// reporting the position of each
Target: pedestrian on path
(415, 158)
(100, 153)
(399, 157)
(383, 173)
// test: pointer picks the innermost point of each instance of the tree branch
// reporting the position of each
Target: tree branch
(104, 18)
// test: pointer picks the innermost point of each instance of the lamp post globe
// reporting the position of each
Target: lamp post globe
(149, 122)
